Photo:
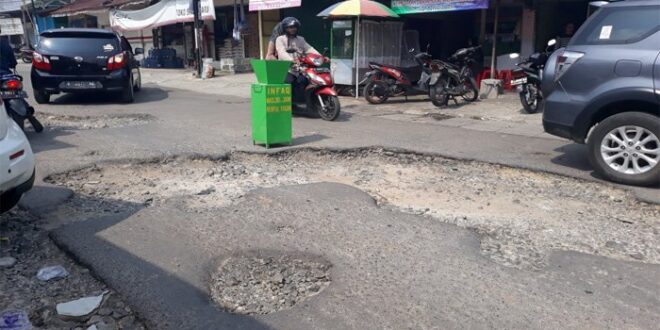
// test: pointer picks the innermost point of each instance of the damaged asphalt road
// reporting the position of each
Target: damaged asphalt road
(389, 267)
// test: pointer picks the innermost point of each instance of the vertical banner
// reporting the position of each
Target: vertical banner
(430, 6)
(273, 4)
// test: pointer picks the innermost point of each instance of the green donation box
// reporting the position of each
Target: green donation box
(271, 103)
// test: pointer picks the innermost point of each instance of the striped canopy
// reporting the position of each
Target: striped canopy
(358, 8)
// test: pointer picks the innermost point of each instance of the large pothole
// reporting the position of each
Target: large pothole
(70, 122)
(520, 215)
(264, 284)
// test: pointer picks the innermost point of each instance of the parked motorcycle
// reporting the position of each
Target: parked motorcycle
(313, 91)
(385, 81)
(527, 78)
(456, 79)
(14, 97)
(26, 54)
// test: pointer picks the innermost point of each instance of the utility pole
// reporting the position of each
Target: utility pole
(197, 23)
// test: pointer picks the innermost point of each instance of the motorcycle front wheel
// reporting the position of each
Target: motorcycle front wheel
(471, 92)
(376, 92)
(529, 99)
(437, 93)
(330, 108)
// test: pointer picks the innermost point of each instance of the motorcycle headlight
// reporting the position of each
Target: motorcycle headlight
(318, 61)
(316, 79)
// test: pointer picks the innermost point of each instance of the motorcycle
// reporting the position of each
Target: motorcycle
(313, 91)
(14, 97)
(26, 54)
(456, 79)
(527, 78)
(385, 81)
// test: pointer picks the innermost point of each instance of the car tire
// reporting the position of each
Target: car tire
(138, 84)
(627, 162)
(127, 95)
(42, 97)
(9, 200)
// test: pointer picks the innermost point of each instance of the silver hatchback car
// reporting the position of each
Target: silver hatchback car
(603, 89)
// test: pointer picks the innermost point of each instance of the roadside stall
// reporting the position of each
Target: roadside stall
(356, 42)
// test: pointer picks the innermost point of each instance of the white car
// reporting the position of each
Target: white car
(16, 162)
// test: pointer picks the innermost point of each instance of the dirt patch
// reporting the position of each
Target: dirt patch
(520, 215)
(22, 238)
(266, 284)
(68, 122)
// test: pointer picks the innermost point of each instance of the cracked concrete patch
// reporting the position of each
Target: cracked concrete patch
(71, 122)
(519, 215)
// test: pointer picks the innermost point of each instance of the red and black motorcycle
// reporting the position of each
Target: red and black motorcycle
(312, 90)
(385, 81)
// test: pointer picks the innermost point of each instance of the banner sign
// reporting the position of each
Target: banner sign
(11, 26)
(273, 4)
(431, 6)
(162, 13)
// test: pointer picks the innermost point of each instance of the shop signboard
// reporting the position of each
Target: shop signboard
(431, 6)
(162, 13)
(273, 4)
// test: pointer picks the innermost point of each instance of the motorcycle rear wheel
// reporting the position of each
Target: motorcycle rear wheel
(332, 107)
(376, 92)
(471, 90)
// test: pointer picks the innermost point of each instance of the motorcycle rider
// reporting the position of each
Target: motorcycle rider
(291, 40)
(7, 58)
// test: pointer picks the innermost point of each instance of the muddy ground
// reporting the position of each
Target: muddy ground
(520, 215)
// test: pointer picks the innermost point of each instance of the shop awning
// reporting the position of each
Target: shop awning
(87, 6)
(165, 12)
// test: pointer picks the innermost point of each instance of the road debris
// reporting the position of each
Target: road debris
(52, 272)
(6, 262)
(14, 319)
(82, 307)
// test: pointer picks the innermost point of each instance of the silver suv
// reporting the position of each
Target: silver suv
(603, 89)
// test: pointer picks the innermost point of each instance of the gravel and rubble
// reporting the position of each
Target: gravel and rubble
(22, 238)
(266, 284)
(70, 122)
(520, 215)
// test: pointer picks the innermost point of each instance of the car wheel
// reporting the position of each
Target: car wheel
(42, 97)
(138, 84)
(625, 148)
(8, 201)
(127, 95)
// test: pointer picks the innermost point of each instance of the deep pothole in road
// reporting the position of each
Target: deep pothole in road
(71, 122)
(264, 284)
(520, 215)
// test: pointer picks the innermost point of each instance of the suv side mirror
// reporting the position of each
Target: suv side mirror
(139, 51)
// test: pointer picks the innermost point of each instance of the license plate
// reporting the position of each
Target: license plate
(323, 70)
(12, 94)
(518, 81)
(80, 85)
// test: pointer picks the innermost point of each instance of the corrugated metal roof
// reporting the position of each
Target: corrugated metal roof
(10, 5)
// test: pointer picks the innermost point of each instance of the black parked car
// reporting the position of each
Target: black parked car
(84, 60)
(603, 89)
